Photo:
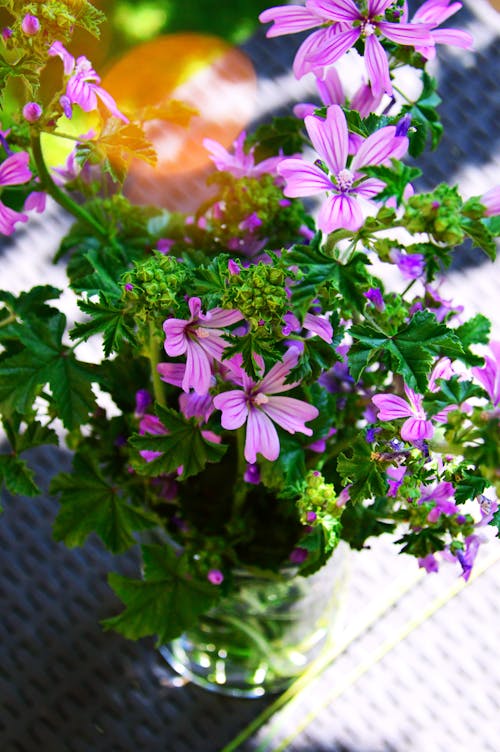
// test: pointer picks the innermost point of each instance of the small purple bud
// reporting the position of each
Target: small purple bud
(164, 245)
(435, 205)
(299, 555)
(311, 516)
(6, 33)
(461, 519)
(142, 401)
(215, 576)
(403, 126)
(65, 103)
(252, 474)
(129, 286)
(32, 112)
(284, 202)
(233, 267)
(374, 295)
(30, 25)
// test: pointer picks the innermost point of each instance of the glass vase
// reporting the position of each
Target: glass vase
(263, 636)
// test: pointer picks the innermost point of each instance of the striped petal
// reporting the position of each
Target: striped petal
(330, 137)
(340, 212)
(261, 437)
(289, 19)
(290, 413)
(377, 67)
(302, 178)
(233, 405)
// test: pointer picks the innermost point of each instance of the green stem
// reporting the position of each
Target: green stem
(153, 352)
(241, 488)
(62, 198)
(9, 320)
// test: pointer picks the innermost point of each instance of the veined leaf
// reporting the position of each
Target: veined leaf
(165, 603)
(90, 503)
(183, 445)
(17, 476)
(364, 476)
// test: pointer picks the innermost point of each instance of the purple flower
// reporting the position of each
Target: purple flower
(466, 558)
(374, 295)
(489, 374)
(488, 508)
(30, 25)
(331, 92)
(215, 576)
(432, 13)
(298, 555)
(443, 496)
(491, 201)
(252, 474)
(395, 476)
(13, 171)
(36, 201)
(164, 245)
(392, 407)
(344, 184)
(327, 45)
(429, 563)
(411, 265)
(32, 112)
(82, 87)
(142, 401)
(257, 406)
(241, 164)
(200, 339)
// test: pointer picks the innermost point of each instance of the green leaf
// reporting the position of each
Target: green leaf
(282, 135)
(396, 178)
(360, 522)
(480, 235)
(364, 476)
(166, 603)
(182, 445)
(474, 331)
(108, 318)
(410, 352)
(469, 487)
(46, 360)
(454, 391)
(90, 503)
(17, 476)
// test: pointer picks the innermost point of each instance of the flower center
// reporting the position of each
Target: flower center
(367, 29)
(260, 399)
(345, 179)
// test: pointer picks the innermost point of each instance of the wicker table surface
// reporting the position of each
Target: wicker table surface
(65, 686)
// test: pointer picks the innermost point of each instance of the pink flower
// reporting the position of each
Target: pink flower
(443, 496)
(489, 374)
(241, 164)
(200, 339)
(345, 185)
(491, 201)
(36, 201)
(392, 407)
(82, 87)
(432, 13)
(256, 405)
(331, 92)
(13, 171)
(327, 45)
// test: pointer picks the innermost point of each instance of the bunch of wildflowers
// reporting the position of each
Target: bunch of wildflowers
(267, 393)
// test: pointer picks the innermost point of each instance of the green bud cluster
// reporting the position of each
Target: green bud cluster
(155, 283)
(438, 214)
(318, 497)
(243, 197)
(259, 293)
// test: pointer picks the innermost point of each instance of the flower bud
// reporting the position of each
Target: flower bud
(32, 112)
(30, 25)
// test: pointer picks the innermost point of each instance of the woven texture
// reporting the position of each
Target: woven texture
(66, 686)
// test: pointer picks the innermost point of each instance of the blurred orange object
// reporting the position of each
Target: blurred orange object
(206, 72)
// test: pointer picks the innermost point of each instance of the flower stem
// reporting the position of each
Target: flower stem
(62, 198)
(153, 351)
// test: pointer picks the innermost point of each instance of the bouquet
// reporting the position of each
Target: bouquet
(261, 393)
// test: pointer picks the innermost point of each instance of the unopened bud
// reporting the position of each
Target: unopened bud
(30, 25)
(32, 112)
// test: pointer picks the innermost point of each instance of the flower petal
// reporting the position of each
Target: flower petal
(14, 170)
(290, 413)
(172, 373)
(303, 178)
(334, 44)
(391, 406)
(274, 381)
(409, 34)
(175, 336)
(377, 148)
(289, 19)
(198, 373)
(377, 67)
(330, 137)
(340, 212)
(8, 219)
(233, 405)
(416, 429)
(340, 10)
(261, 437)
(220, 317)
